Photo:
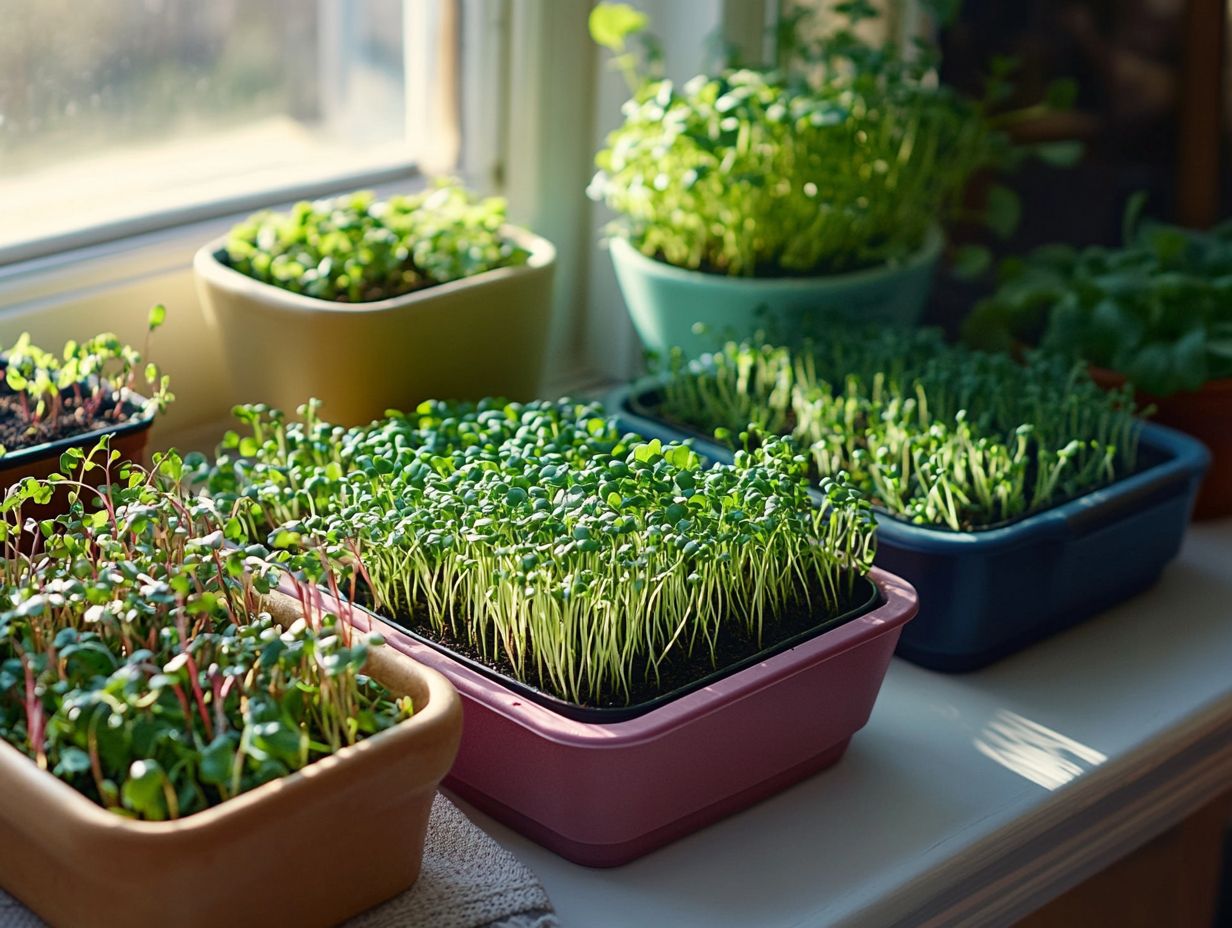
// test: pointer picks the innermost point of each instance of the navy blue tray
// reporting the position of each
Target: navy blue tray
(989, 593)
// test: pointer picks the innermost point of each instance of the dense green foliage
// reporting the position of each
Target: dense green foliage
(1157, 310)
(358, 249)
(88, 381)
(136, 662)
(935, 434)
(844, 157)
(542, 537)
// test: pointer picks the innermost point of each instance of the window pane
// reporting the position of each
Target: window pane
(111, 109)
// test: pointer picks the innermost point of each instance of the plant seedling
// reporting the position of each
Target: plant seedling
(544, 540)
(934, 434)
(136, 661)
(357, 249)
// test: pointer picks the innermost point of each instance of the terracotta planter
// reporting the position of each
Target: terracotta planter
(1206, 414)
(482, 336)
(311, 849)
(603, 794)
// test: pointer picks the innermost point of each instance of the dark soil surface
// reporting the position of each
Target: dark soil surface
(680, 670)
(17, 432)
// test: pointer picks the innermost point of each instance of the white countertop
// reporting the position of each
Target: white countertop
(967, 800)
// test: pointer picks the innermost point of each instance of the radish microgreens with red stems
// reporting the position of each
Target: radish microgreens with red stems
(357, 249)
(936, 434)
(88, 383)
(137, 660)
(542, 537)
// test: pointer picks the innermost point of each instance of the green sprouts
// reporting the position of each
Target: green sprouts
(934, 434)
(544, 540)
(1157, 310)
(842, 157)
(137, 661)
(88, 384)
(357, 249)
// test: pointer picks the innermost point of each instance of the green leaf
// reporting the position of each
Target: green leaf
(72, 761)
(612, 23)
(158, 315)
(1062, 154)
(218, 760)
(1133, 214)
(1220, 347)
(970, 261)
(1061, 94)
(1003, 211)
(142, 792)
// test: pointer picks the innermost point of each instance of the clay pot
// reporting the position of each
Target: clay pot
(1206, 414)
(311, 849)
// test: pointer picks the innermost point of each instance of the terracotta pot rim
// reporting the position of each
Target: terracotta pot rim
(431, 721)
(210, 269)
(1219, 385)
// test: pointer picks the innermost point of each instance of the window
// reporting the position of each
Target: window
(128, 115)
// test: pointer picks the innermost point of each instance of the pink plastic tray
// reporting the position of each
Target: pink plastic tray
(604, 794)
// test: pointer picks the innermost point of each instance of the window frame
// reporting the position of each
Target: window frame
(422, 106)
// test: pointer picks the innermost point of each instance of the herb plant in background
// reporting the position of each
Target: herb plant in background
(841, 158)
(600, 567)
(934, 434)
(358, 249)
(1157, 310)
(137, 662)
(1156, 313)
(90, 385)
(777, 198)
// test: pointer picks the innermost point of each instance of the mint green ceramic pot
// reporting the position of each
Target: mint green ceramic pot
(697, 312)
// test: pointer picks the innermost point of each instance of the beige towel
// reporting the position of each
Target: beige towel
(467, 881)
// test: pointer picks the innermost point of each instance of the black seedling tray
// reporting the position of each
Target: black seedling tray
(867, 593)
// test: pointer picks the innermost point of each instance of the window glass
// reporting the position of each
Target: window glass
(115, 109)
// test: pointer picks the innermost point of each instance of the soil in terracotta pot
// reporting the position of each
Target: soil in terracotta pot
(17, 432)
(733, 645)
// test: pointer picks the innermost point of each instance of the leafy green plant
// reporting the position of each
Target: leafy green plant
(543, 540)
(842, 157)
(137, 662)
(1158, 310)
(934, 434)
(91, 383)
(357, 249)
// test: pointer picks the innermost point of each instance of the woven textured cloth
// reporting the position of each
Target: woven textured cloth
(467, 881)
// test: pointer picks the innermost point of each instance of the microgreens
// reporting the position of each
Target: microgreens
(137, 662)
(358, 249)
(841, 157)
(88, 383)
(935, 434)
(1157, 310)
(543, 538)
